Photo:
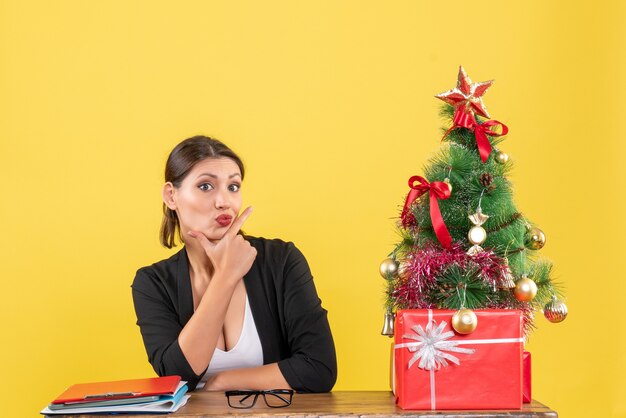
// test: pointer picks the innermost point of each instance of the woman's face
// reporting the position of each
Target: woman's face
(208, 199)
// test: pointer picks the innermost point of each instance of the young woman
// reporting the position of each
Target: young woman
(228, 311)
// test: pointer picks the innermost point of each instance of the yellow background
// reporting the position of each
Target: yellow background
(331, 105)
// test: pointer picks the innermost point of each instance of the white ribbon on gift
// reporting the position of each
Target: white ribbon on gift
(432, 344)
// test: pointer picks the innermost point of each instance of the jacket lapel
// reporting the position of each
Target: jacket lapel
(185, 297)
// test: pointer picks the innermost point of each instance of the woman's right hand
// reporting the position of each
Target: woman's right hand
(232, 256)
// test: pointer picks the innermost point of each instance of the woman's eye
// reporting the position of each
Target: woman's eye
(205, 187)
(234, 187)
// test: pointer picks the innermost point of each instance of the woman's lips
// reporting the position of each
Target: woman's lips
(224, 220)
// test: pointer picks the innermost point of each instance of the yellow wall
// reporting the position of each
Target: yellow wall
(331, 105)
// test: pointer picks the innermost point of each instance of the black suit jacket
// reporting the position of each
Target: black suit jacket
(292, 325)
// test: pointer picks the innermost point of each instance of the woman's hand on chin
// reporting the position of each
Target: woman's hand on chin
(232, 256)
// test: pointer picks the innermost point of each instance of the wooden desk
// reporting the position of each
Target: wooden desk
(335, 404)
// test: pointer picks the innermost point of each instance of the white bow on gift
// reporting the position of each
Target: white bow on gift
(431, 346)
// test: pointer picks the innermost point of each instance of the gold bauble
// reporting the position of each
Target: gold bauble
(555, 311)
(447, 181)
(403, 270)
(535, 239)
(464, 321)
(388, 268)
(525, 289)
(502, 157)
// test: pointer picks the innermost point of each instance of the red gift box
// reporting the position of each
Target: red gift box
(526, 376)
(436, 368)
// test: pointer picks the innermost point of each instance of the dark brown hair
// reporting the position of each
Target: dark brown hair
(180, 162)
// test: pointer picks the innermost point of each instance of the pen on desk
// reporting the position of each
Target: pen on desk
(112, 394)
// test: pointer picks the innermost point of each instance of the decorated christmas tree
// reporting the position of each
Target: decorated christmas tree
(464, 243)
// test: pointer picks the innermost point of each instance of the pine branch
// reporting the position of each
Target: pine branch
(459, 288)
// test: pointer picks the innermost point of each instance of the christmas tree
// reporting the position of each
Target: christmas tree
(464, 243)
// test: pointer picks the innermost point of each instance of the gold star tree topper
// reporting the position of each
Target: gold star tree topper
(467, 96)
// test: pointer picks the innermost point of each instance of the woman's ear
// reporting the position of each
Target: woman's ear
(168, 195)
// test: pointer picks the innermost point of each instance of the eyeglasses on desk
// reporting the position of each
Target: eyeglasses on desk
(275, 398)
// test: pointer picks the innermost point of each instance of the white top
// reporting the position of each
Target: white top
(246, 353)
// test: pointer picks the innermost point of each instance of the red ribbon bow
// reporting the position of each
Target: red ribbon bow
(463, 119)
(438, 190)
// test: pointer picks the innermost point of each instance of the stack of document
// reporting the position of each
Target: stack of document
(152, 395)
